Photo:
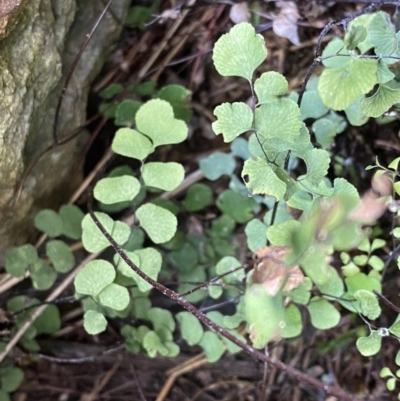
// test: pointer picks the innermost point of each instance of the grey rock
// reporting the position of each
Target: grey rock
(35, 58)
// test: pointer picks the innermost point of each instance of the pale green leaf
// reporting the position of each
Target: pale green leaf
(165, 176)
(212, 346)
(312, 106)
(126, 112)
(355, 113)
(383, 36)
(239, 52)
(381, 101)
(317, 162)
(256, 233)
(260, 178)
(190, 327)
(280, 234)
(301, 294)
(279, 119)
(153, 345)
(197, 197)
(293, 323)
(43, 276)
(156, 120)
(324, 131)
(236, 206)
(370, 345)
(233, 119)
(365, 21)
(114, 296)
(161, 318)
(160, 224)
(20, 258)
(323, 314)
(11, 378)
(339, 88)
(72, 218)
(384, 75)
(116, 189)
(93, 239)
(391, 384)
(216, 165)
(60, 255)
(240, 147)
(334, 285)
(130, 143)
(215, 291)
(335, 54)
(376, 263)
(368, 304)
(50, 222)
(270, 85)
(94, 322)
(94, 277)
(227, 264)
(395, 328)
(385, 372)
(355, 36)
(176, 96)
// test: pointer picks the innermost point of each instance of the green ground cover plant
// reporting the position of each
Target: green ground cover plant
(282, 142)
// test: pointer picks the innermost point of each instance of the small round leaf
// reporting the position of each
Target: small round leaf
(94, 322)
(50, 222)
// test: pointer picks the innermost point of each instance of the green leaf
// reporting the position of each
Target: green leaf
(165, 176)
(355, 113)
(60, 255)
(391, 384)
(49, 321)
(370, 345)
(190, 327)
(156, 120)
(339, 88)
(197, 275)
(11, 378)
(235, 205)
(126, 112)
(376, 263)
(152, 344)
(94, 277)
(233, 119)
(114, 296)
(130, 143)
(384, 75)
(93, 239)
(161, 318)
(260, 178)
(356, 35)
(383, 36)
(111, 91)
(335, 47)
(334, 285)
(240, 147)
(148, 260)
(94, 322)
(197, 197)
(281, 234)
(293, 324)
(227, 264)
(20, 258)
(160, 224)
(381, 101)
(395, 328)
(323, 314)
(239, 52)
(256, 233)
(264, 314)
(176, 96)
(186, 258)
(50, 222)
(278, 119)
(397, 360)
(4, 396)
(301, 294)
(385, 372)
(324, 131)
(365, 21)
(212, 346)
(116, 189)
(269, 86)
(43, 276)
(317, 162)
(72, 218)
(216, 165)
(312, 106)
(369, 305)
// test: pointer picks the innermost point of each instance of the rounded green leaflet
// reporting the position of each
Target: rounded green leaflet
(19, 259)
(94, 322)
(152, 344)
(317, 162)
(323, 314)
(4, 396)
(270, 85)
(293, 323)
(50, 222)
(94, 277)
(156, 120)
(235, 205)
(368, 304)
(355, 35)
(339, 88)
(380, 102)
(226, 264)
(161, 318)
(130, 143)
(190, 327)
(330, 57)
(49, 321)
(240, 147)
(233, 119)
(160, 224)
(60, 255)
(370, 345)
(176, 96)
(216, 165)
(43, 276)
(355, 114)
(165, 176)
(312, 106)
(260, 178)
(281, 234)
(239, 52)
(114, 296)
(197, 197)
(72, 218)
(116, 189)
(126, 111)
(186, 258)
(212, 346)
(93, 239)
(383, 36)
(11, 378)
(395, 330)
(334, 285)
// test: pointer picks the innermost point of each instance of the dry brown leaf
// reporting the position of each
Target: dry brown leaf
(271, 271)
(285, 23)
